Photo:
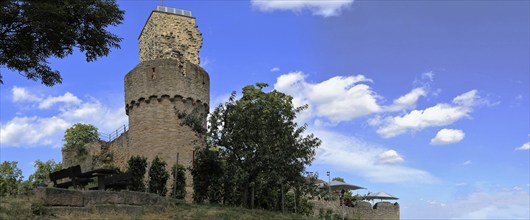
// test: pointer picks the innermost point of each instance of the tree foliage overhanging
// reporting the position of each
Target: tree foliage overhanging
(31, 31)
(256, 151)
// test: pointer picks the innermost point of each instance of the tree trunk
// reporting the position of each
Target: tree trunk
(252, 198)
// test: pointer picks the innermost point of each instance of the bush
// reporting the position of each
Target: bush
(303, 207)
(207, 173)
(181, 182)
(158, 177)
(137, 167)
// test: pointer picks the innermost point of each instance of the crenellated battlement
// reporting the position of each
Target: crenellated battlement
(187, 103)
(166, 77)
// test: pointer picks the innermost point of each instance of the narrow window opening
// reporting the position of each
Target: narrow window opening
(153, 74)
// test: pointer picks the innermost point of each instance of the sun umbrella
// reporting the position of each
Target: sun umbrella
(337, 185)
(381, 196)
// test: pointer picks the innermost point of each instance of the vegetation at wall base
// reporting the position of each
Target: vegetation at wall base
(180, 183)
(158, 177)
(137, 167)
(22, 207)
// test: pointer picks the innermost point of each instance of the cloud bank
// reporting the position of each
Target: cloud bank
(439, 115)
(375, 163)
(66, 110)
(319, 7)
(340, 98)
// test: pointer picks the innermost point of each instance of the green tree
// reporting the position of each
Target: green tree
(137, 167)
(10, 178)
(77, 136)
(158, 177)
(260, 140)
(180, 182)
(33, 31)
(42, 172)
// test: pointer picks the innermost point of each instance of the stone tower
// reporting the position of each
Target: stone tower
(167, 80)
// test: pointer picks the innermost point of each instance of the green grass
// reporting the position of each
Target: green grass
(24, 208)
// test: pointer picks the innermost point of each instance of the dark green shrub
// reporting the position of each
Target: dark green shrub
(158, 177)
(180, 192)
(137, 167)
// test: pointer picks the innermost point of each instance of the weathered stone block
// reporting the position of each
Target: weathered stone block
(362, 205)
(103, 197)
(59, 197)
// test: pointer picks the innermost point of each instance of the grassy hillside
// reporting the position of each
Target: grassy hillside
(22, 208)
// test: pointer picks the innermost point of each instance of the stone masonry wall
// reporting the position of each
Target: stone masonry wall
(364, 210)
(170, 36)
(154, 91)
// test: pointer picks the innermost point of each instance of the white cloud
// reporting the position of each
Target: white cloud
(448, 136)
(337, 99)
(26, 131)
(339, 152)
(68, 109)
(504, 204)
(22, 95)
(340, 98)
(435, 116)
(67, 98)
(467, 162)
(428, 76)
(408, 100)
(509, 203)
(275, 69)
(390, 157)
(324, 8)
(525, 146)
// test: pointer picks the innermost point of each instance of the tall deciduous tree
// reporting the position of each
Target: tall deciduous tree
(78, 135)
(31, 31)
(10, 178)
(259, 138)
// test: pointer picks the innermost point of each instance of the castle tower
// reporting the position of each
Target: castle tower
(167, 80)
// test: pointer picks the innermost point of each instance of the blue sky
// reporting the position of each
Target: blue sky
(425, 100)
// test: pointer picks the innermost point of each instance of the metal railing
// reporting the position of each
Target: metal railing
(113, 135)
(173, 10)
